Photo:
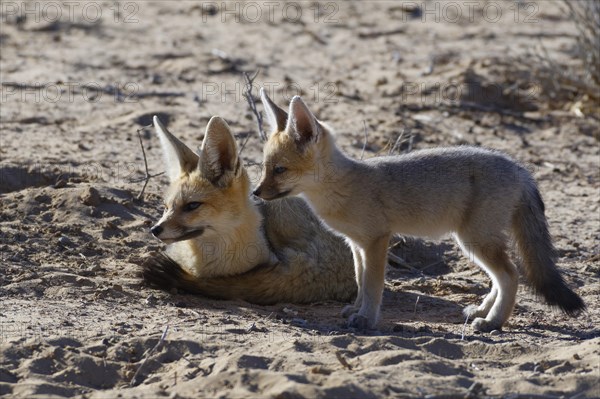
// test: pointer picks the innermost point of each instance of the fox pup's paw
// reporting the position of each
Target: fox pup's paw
(484, 325)
(349, 310)
(473, 311)
(359, 322)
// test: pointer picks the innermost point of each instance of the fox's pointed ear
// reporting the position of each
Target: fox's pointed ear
(302, 124)
(219, 161)
(276, 117)
(178, 157)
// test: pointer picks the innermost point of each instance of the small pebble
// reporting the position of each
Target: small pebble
(91, 197)
(381, 81)
(96, 268)
(290, 311)
(320, 370)
(151, 300)
(65, 241)
(475, 387)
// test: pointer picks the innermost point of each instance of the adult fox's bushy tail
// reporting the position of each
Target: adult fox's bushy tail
(263, 285)
(539, 255)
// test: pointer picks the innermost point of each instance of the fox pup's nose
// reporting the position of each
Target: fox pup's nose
(256, 191)
(156, 230)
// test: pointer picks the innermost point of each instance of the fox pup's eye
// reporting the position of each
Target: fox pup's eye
(279, 170)
(190, 206)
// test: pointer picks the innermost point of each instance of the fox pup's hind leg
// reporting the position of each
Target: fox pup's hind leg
(375, 258)
(492, 257)
(359, 267)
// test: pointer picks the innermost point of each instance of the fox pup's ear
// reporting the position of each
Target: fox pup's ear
(178, 157)
(302, 124)
(219, 160)
(276, 117)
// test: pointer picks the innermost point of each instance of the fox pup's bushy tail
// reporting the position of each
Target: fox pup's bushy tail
(539, 255)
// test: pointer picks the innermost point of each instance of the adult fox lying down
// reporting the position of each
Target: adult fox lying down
(222, 243)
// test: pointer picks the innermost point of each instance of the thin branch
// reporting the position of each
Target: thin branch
(147, 176)
(397, 143)
(342, 360)
(411, 140)
(252, 104)
(366, 133)
(462, 335)
(416, 304)
(401, 262)
(149, 353)
(378, 33)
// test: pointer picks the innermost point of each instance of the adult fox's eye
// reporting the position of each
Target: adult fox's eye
(190, 206)
(279, 170)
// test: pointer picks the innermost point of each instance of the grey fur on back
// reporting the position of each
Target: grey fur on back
(434, 191)
(301, 241)
(444, 189)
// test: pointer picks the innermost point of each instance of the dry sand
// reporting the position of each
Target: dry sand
(75, 319)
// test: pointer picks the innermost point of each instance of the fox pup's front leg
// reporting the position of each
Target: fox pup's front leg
(375, 257)
(474, 311)
(359, 267)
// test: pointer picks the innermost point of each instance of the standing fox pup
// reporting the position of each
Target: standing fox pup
(225, 244)
(476, 195)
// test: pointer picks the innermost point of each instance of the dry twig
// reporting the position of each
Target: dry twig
(462, 335)
(342, 360)
(416, 304)
(147, 176)
(396, 143)
(252, 104)
(401, 262)
(379, 33)
(148, 354)
(366, 133)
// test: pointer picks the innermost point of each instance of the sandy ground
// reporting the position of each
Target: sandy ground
(75, 319)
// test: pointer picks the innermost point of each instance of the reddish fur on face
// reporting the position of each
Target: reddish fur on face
(219, 205)
(282, 150)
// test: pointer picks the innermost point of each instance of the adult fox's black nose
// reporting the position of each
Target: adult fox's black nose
(256, 191)
(156, 230)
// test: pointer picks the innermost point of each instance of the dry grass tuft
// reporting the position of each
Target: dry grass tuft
(574, 87)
